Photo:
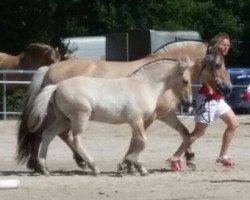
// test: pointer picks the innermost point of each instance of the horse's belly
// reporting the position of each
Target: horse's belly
(108, 117)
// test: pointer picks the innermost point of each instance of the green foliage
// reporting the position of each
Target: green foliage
(14, 100)
(25, 21)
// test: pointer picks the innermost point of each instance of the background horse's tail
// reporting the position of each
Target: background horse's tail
(40, 108)
(25, 138)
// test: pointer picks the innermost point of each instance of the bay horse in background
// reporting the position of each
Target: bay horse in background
(130, 100)
(34, 56)
(207, 68)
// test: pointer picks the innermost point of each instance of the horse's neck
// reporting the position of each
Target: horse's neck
(193, 50)
(196, 70)
(156, 76)
(195, 53)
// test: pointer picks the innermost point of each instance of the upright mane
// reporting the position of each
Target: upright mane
(195, 50)
(37, 47)
(143, 67)
(178, 45)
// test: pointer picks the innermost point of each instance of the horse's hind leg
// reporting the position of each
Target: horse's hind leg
(66, 136)
(78, 126)
(37, 139)
(59, 125)
(172, 120)
(137, 145)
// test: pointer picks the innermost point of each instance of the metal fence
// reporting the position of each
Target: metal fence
(4, 82)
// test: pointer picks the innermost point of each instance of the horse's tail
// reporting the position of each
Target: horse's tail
(25, 139)
(39, 110)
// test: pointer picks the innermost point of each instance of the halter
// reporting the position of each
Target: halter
(202, 109)
(208, 58)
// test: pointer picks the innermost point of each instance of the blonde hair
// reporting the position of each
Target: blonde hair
(218, 39)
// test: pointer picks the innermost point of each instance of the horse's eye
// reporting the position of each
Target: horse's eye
(185, 82)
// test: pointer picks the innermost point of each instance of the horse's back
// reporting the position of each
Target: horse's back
(8, 61)
(92, 68)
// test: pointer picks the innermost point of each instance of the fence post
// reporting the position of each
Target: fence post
(4, 97)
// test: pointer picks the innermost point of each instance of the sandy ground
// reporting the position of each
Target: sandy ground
(108, 144)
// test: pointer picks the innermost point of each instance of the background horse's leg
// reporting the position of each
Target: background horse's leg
(137, 145)
(37, 137)
(172, 120)
(78, 126)
(32, 162)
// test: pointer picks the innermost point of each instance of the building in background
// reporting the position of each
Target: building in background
(125, 46)
(91, 47)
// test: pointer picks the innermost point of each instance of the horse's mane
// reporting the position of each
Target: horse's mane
(37, 47)
(178, 44)
(143, 67)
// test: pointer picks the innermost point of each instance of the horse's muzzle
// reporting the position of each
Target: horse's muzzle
(224, 88)
(187, 101)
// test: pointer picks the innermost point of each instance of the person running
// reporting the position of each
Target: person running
(214, 108)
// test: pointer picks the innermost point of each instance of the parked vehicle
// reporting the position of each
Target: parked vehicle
(239, 100)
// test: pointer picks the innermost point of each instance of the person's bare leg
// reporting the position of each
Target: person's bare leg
(232, 123)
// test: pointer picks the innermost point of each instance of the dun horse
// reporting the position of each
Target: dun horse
(129, 100)
(208, 70)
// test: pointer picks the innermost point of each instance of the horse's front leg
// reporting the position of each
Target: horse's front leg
(137, 145)
(172, 120)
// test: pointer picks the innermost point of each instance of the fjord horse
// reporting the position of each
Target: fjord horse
(208, 70)
(131, 100)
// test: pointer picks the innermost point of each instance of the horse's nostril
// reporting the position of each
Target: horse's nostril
(224, 89)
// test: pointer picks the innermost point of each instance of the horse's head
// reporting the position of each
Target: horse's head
(214, 72)
(184, 82)
(39, 54)
(53, 55)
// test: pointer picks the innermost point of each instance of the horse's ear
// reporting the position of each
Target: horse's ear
(185, 63)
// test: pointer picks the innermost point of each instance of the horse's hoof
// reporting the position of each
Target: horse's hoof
(80, 162)
(119, 174)
(46, 174)
(191, 165)
(141, 170)
(82, 165)
(96, 174)
(39, 170)
(120, 170)
(95, 170)
(32, 164)
(132, 172)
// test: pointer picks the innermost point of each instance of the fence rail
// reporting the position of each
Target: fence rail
(6, 82)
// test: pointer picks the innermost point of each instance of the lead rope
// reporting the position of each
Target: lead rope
(202, 109)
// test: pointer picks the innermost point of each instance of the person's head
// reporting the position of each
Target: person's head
(222, 41)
